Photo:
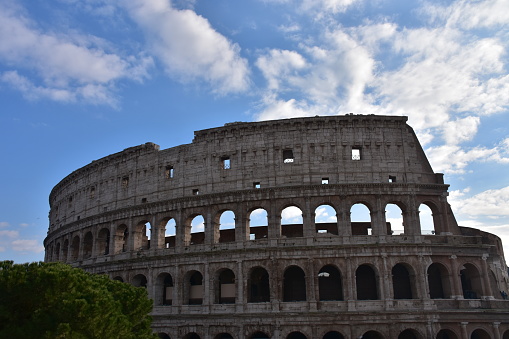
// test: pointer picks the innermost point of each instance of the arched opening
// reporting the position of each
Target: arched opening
(223, 336)
(329, 283)
(506, 335)
(294, 284)
(196, 288)
(225, 287)
(57, 252)
(121, 239)
(103, 242)
(471, 282)
(258, 286)
(227, 227)
(259, 335)
(118, 278)
(163, 336)
(291, 222)
(192, 335)
(326, 220)
(88, 243)
(164, 289)
(65, 250)
(142, 236)
(372, 335)
(480, 334)
(401, 282)
(394, 219)
(409, 334)
(360, 218)
(366, 283)
(333, 335)
(296, 335)
(139, 280)
(446, 334)
(426, 219)
(438, 282)
(197, 230)
(258, 224)
(170, 230)
(75, 248)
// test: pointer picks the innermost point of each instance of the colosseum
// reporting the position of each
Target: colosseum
(202, 227)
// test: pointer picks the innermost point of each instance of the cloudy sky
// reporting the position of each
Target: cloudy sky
(81, 79)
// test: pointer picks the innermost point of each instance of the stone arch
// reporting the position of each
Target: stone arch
(259, 335)
(296, 335)
(326, 220)
(194, 288)
(75, 248)
(439, 281)
(258, 285)
(446, 334)
(409, 334)
(142, 235)
(194, 230)
(170, 232)
(330, 285)
(429, 218)
(403, 282)
(258, 224)
(223, 336)
(480, 334)
(360, 218)
(121, 238)
(372, 335)
(226, 226)
(103, 242)
(164, 289)
(139, 280)
(366, 282)
(471, 282)
(225, 287)
(292, 222)
(505, 335)
(88, 245)
(119, 278)
(294, 284)
(163, 336)
(192, 335)
(394, 218)
(65, 250)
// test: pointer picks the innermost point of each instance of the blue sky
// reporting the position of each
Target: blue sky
(81, 79)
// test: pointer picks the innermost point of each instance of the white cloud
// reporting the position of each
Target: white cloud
(25, 245)
(279, 65)
(189, 48)
(460, 130)
(488, 203)
(9, 234)
(4, 224)
(291, 214)
(68, 67)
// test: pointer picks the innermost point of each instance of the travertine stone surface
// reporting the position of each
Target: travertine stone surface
(129, 215)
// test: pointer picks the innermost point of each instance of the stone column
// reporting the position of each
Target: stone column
(456, 289)
(344, 222)
(485, 281)
(464, 333)
(239, 282)
(308, 221)
(496, 330)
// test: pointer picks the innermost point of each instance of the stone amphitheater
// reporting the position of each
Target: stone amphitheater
(155, 218)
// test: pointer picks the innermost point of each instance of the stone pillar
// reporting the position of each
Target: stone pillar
(496, 330)
(485, 281)
(411, 221)
(456, 289)
(308, 221)
(211, 229)
(310, 286)
(241, 226)
(344, 222)
(350, 292)
(464, 333)
(378, 223)
(239, 284)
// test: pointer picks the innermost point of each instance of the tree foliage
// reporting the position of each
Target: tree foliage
(54, 300)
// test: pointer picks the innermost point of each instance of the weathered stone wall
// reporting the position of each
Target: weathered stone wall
(112, 215)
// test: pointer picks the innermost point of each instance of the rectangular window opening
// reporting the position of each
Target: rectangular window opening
(356, 153)
(169, 172)
(196, 191)
(256, 185)
(288, 156)
(325, 181)
(143, 200)
(226, 162)
(392, 178)
(125, 182)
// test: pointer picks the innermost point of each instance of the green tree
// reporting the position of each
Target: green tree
(54, 300)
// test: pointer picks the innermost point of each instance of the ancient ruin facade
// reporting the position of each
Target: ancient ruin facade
(132, 215)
